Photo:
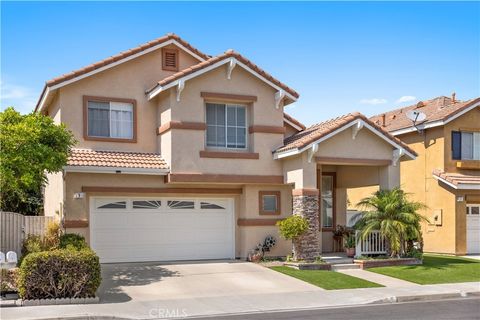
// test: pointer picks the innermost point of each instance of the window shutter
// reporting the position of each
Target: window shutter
(456, 145)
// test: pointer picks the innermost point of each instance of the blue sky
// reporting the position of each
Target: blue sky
(341, 57)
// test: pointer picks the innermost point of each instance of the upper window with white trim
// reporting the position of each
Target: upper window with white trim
(465, 145)
(226, 126)
(110, 118)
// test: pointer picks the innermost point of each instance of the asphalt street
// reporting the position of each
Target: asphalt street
(465, 308)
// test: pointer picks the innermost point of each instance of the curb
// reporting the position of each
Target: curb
(427, 297)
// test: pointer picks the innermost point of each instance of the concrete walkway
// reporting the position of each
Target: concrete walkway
(241, 303)
(386, 281)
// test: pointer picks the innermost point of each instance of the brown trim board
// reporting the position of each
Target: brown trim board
(354, 161)
(75, 224)
(181, 125)
(266, 129)
(163, 190)
(228, 155)
(228, 96)
(305, 192)
(222, 178)
(257, 222)
(108, 99)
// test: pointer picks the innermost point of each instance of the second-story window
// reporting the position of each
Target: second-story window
(110, 119)
(465, 145)
(226, 126)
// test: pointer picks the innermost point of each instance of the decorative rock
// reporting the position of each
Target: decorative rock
(307, 247)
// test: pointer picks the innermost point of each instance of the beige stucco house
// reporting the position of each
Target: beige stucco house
(182, 155)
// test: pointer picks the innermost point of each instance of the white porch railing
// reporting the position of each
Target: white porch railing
(374, 243)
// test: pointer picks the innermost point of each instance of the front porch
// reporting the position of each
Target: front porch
(341, 186)
(328, 165)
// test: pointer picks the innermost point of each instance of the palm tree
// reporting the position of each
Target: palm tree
(397, 219)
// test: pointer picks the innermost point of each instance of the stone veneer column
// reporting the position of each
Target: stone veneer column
(305, 204)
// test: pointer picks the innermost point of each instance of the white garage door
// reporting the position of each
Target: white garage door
(161, 229)
(473, 228)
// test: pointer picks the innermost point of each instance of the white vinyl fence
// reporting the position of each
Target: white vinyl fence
(14, 227)
(374, 243)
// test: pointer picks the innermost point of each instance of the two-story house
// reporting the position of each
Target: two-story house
(182, 155)
(446, 175)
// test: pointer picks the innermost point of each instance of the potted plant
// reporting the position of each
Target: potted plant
(350, 245)
(338, 234)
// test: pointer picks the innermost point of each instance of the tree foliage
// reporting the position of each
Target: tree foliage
(395, 216)
(31, 146)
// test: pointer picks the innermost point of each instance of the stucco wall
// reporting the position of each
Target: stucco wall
(186, 144)
(434, 152)
(468, 122)
(365, 145)
(128, 80)
(246, 205)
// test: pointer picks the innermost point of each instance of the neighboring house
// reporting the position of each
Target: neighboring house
(446, 174)
(182, 155)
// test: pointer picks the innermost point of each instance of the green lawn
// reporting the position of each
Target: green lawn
(436, 269)
(329, 280)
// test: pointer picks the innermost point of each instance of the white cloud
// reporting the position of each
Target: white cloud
(406, 99)
(20, 97)
(373, 101)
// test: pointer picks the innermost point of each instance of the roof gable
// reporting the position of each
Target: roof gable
(322, 131)
(233, 59)
(439, 111)
(115, 60)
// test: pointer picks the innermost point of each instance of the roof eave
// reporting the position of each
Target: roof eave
(50, 88)
(287, 153)
(458, 186)
(116, 170)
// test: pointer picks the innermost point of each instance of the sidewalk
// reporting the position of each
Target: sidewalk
(386, 281)
(242, 303)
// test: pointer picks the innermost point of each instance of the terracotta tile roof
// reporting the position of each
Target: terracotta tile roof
(440, 108)
(123, 55)
(457, 178)
(317, 131)
(92, 158)
(213, 60)
(294, 121)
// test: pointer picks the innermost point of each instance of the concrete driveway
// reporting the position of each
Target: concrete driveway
(159, 281)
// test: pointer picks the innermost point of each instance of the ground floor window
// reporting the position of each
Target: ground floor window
(473, 209)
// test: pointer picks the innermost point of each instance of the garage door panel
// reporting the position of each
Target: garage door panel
(473, 233)
(164, 233)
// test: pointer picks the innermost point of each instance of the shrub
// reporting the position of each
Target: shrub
(292, 227)
(414, 253)
(72, 241)
(8, 280)
(52, 235)
(32, 243)
(59, 273)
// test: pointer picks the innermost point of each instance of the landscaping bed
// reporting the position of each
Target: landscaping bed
(435, 269)
(388, 262)
(328, 280)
